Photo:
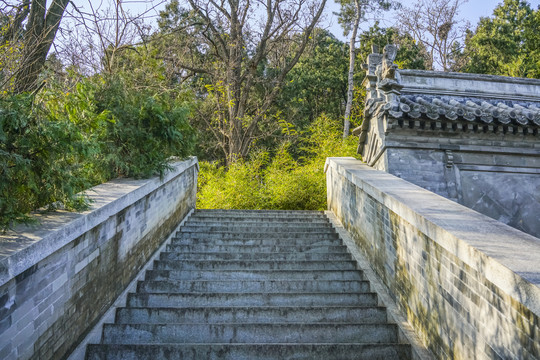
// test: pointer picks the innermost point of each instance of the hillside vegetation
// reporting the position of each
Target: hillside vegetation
(257, 90)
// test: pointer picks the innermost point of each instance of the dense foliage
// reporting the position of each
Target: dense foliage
(266, 109)
(40, 159)
(507, 43)
(55, 145)
(291, 178)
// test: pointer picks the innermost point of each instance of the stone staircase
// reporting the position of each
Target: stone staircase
(252, 285)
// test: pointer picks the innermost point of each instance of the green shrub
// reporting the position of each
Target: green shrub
(284, 182)
(238, 187)
(140, 131)
(55, 145)
(40, 160)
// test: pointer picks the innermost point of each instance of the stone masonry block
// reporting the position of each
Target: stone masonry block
(445, 280)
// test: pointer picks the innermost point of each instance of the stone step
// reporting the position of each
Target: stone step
(251, 286)
(252, 265)
(249, 351)
(235, 248)
(321, 333)
(271, 219)
(289, 256)
(259, 228)
(251, 299)
(321, 224)
(264, 213)
(333, 314)
(267, 235)
(243, 274)
(245, 240)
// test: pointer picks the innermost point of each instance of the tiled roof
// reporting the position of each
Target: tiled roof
(422, 100)
(450, 108)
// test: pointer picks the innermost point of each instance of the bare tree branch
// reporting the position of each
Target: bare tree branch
(436, 25)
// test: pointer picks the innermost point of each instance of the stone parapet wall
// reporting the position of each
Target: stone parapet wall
(501, 184)
(469, 285)
(471, 138)
(58, 277)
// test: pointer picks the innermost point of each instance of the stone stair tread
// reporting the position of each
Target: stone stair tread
(252, 235)
(259, 314)
(202, 286)
(253, 264)
(258, 211)
(269, 218)
(278, 226)
(254, 219)
(251, 299)
(250, 332)
(234, 248)
(180, 255)
(258, 229)
(241, 274)
(251, 221)
(216, 351)
(246, 240)
(250, 262)
(259, 233)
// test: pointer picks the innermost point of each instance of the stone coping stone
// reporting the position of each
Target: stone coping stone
(26, 245)
(506, 256)
(469, 85)
(469, 76)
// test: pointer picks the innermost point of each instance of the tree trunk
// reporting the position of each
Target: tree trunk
(40, 34)
(246, 96)
(352, 58)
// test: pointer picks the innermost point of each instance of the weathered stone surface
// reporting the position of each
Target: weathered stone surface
(291, 307)
(469, 285)
(470, 138)
(58, 277)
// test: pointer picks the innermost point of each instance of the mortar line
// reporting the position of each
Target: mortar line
(94, 335)
(406, 332)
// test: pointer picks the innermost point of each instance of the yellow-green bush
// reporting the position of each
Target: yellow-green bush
(282, 182)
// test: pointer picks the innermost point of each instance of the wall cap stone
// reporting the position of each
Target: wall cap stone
(507, 256)
(26, 245)
(469, 76)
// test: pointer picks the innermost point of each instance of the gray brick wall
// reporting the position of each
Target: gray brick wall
(500, 183)
(424, 168)
(432, 255)
(48, 308)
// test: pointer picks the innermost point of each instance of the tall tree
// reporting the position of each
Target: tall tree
(351, 13)
(244, 49)
(410, 55)
(436, 24)
(40, 31)
(508, 43)
(317, 84)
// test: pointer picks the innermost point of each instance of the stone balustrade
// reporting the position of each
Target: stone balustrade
(469, 285)
(58, 277)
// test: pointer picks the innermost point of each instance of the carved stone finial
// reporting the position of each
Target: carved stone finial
(382, 78)
(388, 78)
(390, 52)
(388, 70)
(374, 49)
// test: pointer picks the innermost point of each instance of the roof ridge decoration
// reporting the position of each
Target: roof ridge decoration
(433, 100)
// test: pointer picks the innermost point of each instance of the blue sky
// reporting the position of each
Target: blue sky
(471, 11)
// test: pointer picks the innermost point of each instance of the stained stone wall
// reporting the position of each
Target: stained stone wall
(503, 186)
(59, 277)
(471, 138)
(469, 285)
